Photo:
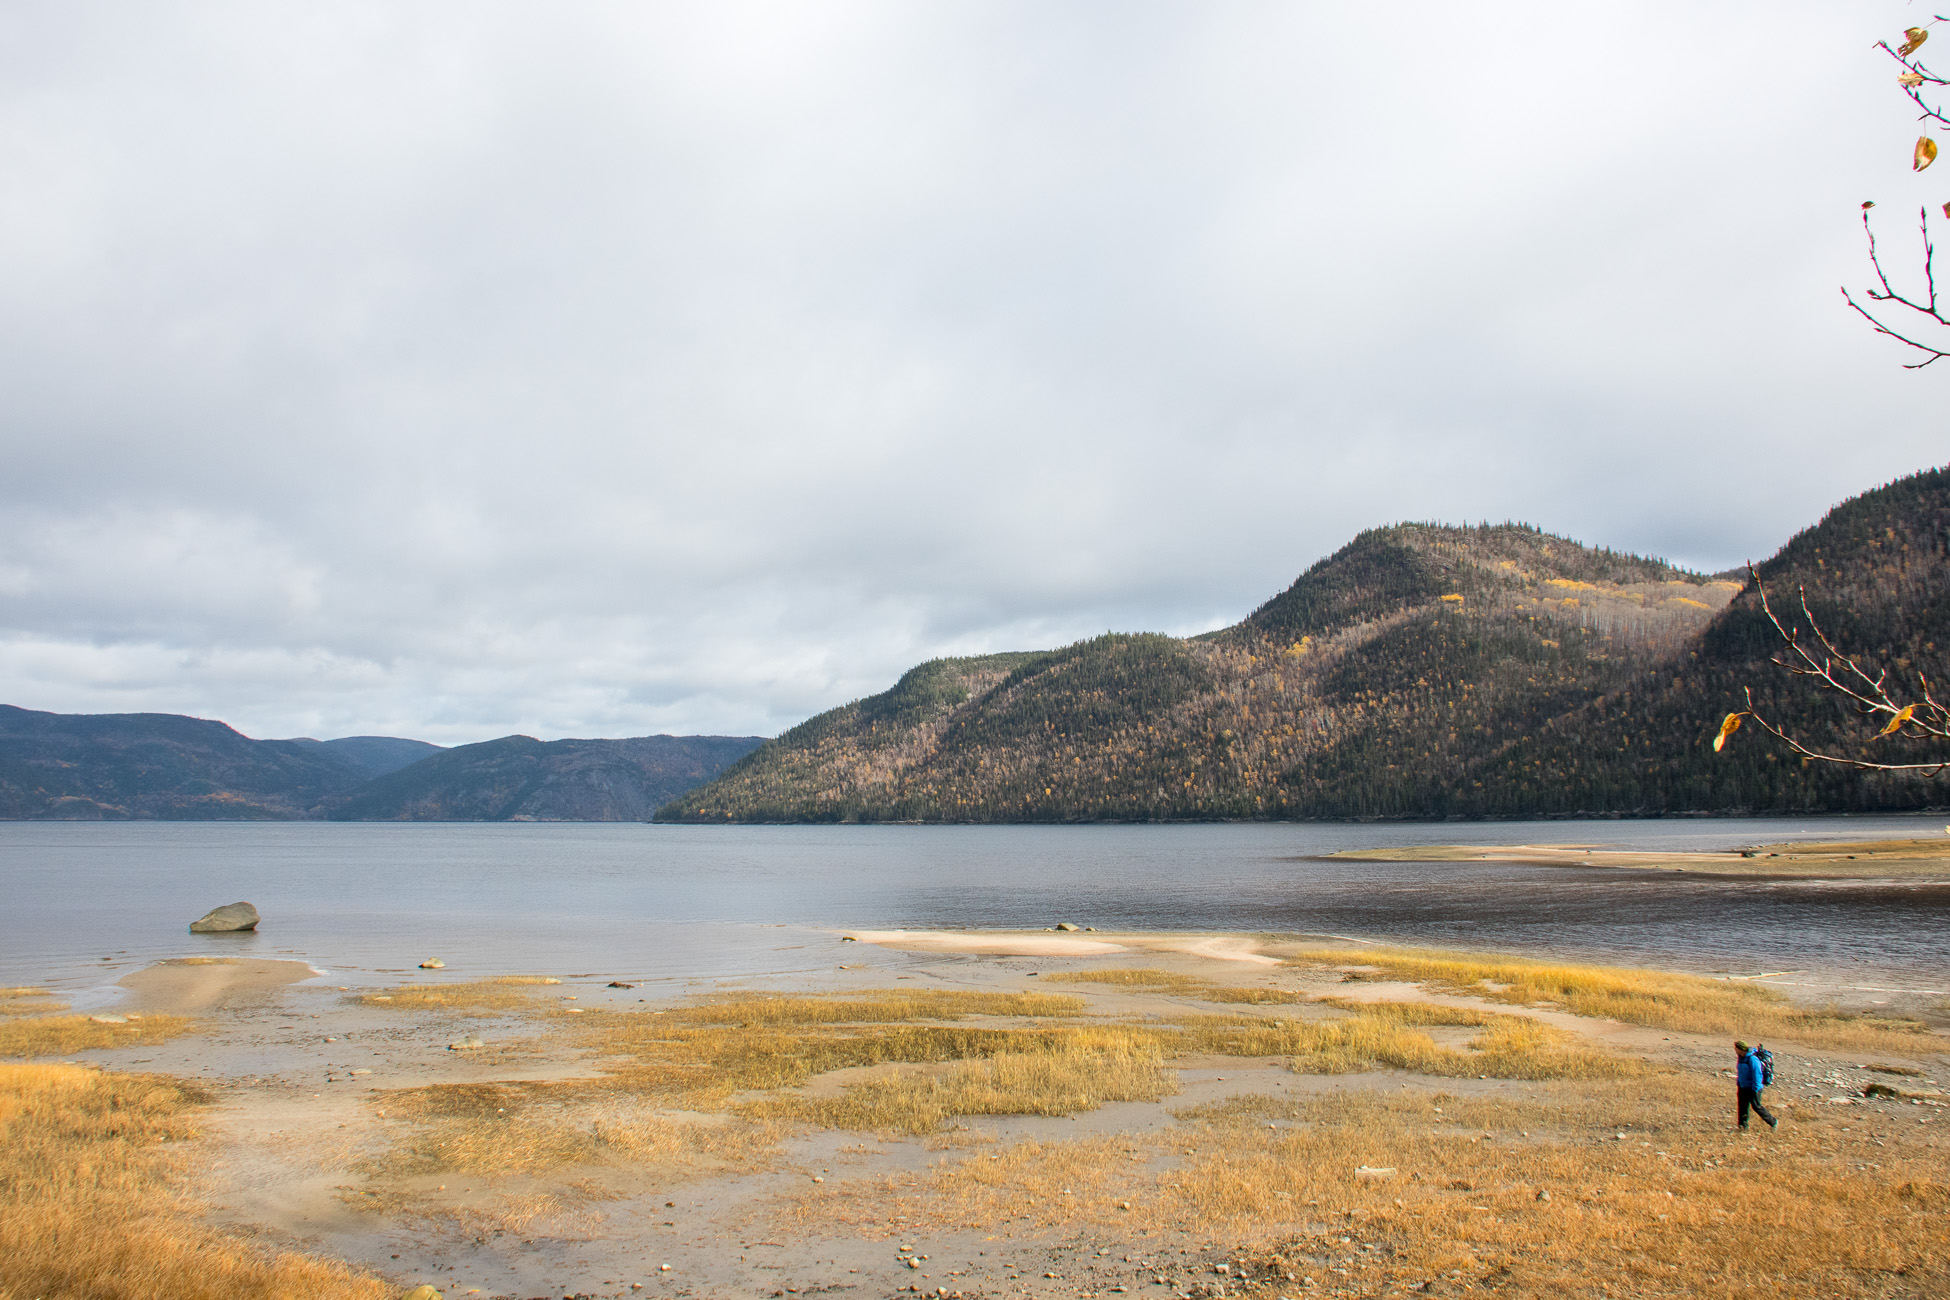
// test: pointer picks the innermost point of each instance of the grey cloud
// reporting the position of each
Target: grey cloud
(449, 370)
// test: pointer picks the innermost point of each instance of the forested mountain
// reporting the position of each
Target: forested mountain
(518, 778)
(1876, 572)
(1420, 671)
(118, 765)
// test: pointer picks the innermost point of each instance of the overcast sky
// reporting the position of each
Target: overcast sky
(457, 369)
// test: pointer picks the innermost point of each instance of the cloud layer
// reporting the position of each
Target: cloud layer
(451, 369)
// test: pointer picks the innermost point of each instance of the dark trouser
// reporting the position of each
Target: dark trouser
(1750, 1097)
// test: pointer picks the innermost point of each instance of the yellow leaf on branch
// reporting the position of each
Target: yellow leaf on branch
(1910, 79)
(1916, 36)
(1727, 728)
(1903, 715)
(1925, 153)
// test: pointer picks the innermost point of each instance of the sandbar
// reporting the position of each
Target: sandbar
(1031, 943)
(189, 985)
(1835, 860)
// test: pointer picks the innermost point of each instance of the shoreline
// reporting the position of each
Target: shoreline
(319, 1093)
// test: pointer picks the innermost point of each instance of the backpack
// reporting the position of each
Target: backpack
(1766, 1059)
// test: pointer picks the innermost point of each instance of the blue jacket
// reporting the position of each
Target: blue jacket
(1747, 1073)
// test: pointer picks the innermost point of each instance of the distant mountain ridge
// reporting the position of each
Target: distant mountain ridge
(119, 765)
(1421, 671)
(142, 766)
(376, 755)
(519, 778)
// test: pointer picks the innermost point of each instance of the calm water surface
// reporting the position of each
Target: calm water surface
(670, 903)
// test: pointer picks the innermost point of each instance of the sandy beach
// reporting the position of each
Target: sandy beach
(336, 1120)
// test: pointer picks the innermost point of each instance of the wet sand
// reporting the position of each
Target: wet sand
(1907, 859)
(302, 1070)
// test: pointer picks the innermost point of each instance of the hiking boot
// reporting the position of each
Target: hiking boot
(1772, 1122)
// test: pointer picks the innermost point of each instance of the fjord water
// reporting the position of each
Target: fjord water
(366, 901)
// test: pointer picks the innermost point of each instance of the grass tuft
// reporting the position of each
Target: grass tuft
(29, 1002)
(65, 1035)
(1164, 981)
(745, 1009)
(506, 993)
(1062, 1081)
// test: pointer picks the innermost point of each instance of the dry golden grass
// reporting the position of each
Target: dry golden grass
(507, 993)
(90, 1206)
(1060, 1082)
(705, 1055)
(869, 1007)
(1657, 999)
(64, 1035)
(1164, 981)
(1392, 1035)
(498, 1129)
(1682, 1206)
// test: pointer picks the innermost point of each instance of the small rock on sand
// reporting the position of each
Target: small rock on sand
(1065, 925)
(227, 919)
(433, 963)
(466, 1044)
(421, 1293)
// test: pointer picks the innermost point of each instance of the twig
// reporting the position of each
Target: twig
(1888, 293)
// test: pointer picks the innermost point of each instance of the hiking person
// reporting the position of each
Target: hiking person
(1749, 1078)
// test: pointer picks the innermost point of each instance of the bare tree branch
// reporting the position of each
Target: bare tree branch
(1914, 80)
(1872, 696)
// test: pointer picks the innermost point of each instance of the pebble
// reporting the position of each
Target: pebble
(433, 963)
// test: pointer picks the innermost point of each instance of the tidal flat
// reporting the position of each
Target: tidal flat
(1022, 1113)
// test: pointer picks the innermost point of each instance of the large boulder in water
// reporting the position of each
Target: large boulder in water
(229, 917)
